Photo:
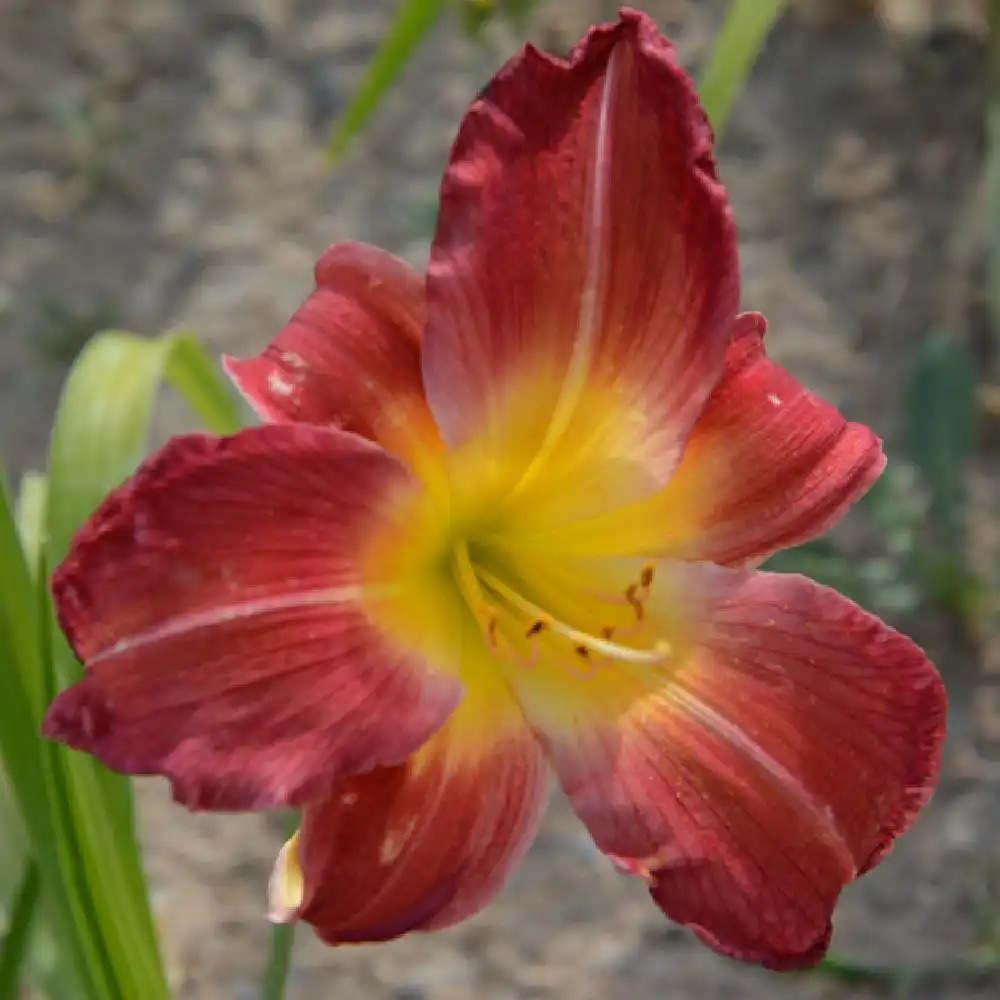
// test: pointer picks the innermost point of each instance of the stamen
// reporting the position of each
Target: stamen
(465, 577)
(646, 577)
(588, 664)
(603, 647)
(486, 615)
(492, 622)
(631, 595)
(535, 627)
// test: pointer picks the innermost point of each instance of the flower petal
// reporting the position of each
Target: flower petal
(775, 758)
(585, 257)
(425, 844)
(350, 356)
(768, 465)
(216, 602)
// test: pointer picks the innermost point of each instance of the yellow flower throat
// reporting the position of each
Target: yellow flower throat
(454, 556)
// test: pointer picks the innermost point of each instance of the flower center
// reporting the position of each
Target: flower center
(518, 630)
(458, 557)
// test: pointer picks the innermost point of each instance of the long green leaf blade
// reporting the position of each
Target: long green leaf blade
(737, 46)
(100, 434)
(32, 503)
(18, 612)
(29, 763)
(412, 22)
(14, 947)
(102, 423)
(188, 369)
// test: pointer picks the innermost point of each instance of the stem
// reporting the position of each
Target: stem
(279, 946)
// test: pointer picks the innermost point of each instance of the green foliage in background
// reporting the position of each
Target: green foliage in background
(918, 552)
(739, 42)
(747, 25)
(993, 175)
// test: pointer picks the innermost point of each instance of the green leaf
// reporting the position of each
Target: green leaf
(27, 763)
(102, 423)
(99, 435)
(412, 22)
(473, 15)
(19, 650)
(941, 431)
(737, 46)
(32, 501)
(14, 946)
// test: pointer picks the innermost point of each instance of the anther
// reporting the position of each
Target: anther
(535, 627)
(646, 577)
(491, 626)
(608, 632)
(631, 595)
(582, 651)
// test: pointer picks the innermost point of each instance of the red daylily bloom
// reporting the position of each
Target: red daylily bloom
(501, 521)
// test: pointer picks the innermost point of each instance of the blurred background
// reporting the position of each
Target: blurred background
(162, 166)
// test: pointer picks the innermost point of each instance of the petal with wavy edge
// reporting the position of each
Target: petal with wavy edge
(768, 465)
(583, 279)
(350, 356)
(217, 604)
(423, 845)
(774, 757)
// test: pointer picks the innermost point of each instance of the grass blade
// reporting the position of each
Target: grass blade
(14, 947)
(413, 20)
(737, 46)
(99, 435)
(102, 424)
(32, 502)
(28, 764)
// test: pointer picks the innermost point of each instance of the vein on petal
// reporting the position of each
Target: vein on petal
(197, 620)
(575, 380)
(822, 817)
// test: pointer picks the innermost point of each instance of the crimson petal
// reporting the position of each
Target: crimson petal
(768, 465)
(215, 600)
(792, 739)
(426, 844)
(585, 255)
(350, 356)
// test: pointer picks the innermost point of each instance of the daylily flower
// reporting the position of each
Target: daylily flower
(502, 521)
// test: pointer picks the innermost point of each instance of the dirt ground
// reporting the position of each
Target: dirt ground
(160, 167)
